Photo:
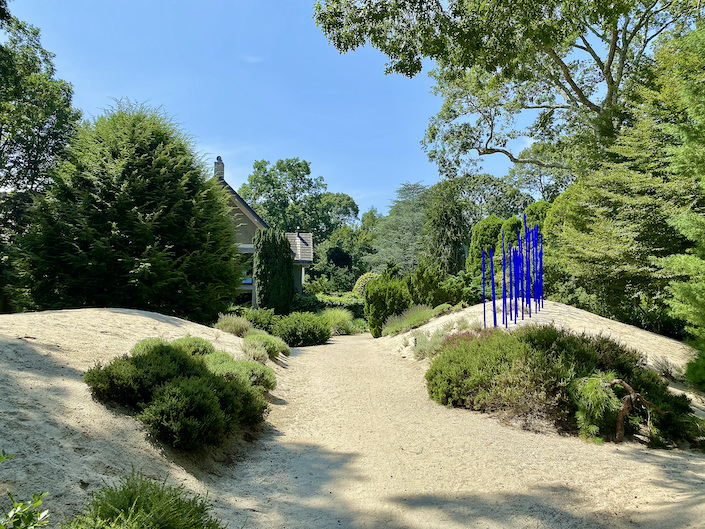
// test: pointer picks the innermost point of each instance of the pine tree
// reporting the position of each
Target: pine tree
(273, 271)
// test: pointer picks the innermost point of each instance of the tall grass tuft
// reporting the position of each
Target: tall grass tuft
(411, 318)
(339, 320)
(236, 325)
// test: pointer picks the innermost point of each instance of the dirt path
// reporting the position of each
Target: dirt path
(353, 440)
(356, 443)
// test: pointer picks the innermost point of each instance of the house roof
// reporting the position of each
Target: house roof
(245, 206)
(302, 245)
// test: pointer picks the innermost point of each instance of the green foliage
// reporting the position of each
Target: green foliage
(339, 260)
(36, 118)
(541, 371)
(361, 283)
(255, 351)
(223, 364)
(237, 325)
(339, 320)
(193, 345)
(137, 502)
(511, 228)
(425, 285)
(302, 329)
(272, 344)
(347, 300)
(384, 297)
(181, 401)
(185, 413)
(413, 317)
(273, 270)
(260, 318)
(536, 214)
(289, 199)
(131, 221)
(22, 515)
(484, 236)
(695, 370)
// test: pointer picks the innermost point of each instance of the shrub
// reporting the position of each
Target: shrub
(194, 345)
(695, 370)
(359, 326)
(346, 300)
(140, 503)
(260, 318)
(272, 344)
(384, 297)
(411, 318)
(361, 283)
(253, 372)
(273, 270)
(443, 309)
(236, 325)
(424, 283)
(597, 404)
(185, 413)
(302, 329)
(339, 320)
(255, 351)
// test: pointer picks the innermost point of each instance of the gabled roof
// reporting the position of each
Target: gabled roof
(302, 245)
(241, 201)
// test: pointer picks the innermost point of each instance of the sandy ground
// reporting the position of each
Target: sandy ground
(352, 439)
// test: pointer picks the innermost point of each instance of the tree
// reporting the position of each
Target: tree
(339, 259)
(288, 198)
(397, 236)
(131, 221)
(36, 118)
(273, 270)
(447, 227)
(565, 64)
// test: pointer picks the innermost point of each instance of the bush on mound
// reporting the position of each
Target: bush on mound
(302, 328)
(541, 371)
(181, 400)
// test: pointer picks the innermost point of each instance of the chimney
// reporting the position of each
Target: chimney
(219, 170)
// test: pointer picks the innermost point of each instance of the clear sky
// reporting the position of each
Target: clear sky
(248, 80)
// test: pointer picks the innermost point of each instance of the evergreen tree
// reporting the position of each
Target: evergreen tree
(273, 271)
(131, 221)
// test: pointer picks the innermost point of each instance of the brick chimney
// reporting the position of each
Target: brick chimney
(219, 170)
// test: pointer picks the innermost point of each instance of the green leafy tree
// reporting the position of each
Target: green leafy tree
(484, 236)
(131, 221)
(289, 199)
(273, 271)
(565, 65)
(340, 258)
(36, 117)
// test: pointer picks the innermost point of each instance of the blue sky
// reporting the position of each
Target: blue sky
(248, 80)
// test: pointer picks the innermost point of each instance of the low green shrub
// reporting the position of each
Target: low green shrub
(185, 413)
(411, 318)
(359, 326)
(361, 283)
(384, 297)
(428, 345)
(344, 300)
(443, 309)
(233, 324)
(255, 351)
(307, 303)
(272, 344)
(194, 345)
(695, 370)
(140, 503)
(551, 373)
(339, 320)
(260, 318)
(23, 515)
(224, 365)
(302, 329)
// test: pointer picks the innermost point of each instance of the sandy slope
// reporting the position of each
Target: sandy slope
(352, 439)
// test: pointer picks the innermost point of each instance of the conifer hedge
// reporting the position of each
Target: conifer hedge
(273, 271)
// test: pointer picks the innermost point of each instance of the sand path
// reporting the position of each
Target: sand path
(352, 440)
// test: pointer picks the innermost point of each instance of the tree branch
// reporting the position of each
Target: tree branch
(481, 151)
(630, 400)
(569, 78)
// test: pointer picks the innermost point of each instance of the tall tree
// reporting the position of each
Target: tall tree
(288, 198)
(273, 270)
(565, 64)
(36, 118)
(131, 220)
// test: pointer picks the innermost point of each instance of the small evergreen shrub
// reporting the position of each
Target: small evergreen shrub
(411, 318)
(273, 270)
(185, 413)
(339, 320)
(236, 325)
(361, 283)
(224, 365)
(140, 503)
(272, 344)
(260, 318)
(443, 309)
(255, 351)
(597, 404)
(359, 326)
(194, 345)
(302, 329)
(384, 297)
(695, 370)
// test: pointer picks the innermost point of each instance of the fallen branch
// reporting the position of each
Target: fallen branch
(630, 400)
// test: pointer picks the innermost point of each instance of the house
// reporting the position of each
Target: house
(249, 222)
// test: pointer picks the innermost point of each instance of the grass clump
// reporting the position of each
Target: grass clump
(179, 399)
(339, 320)
(302, 329)
(260, 318)
(273, 345)
(549, 373)
(233, 324)
(411, 318)
(140, 503)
